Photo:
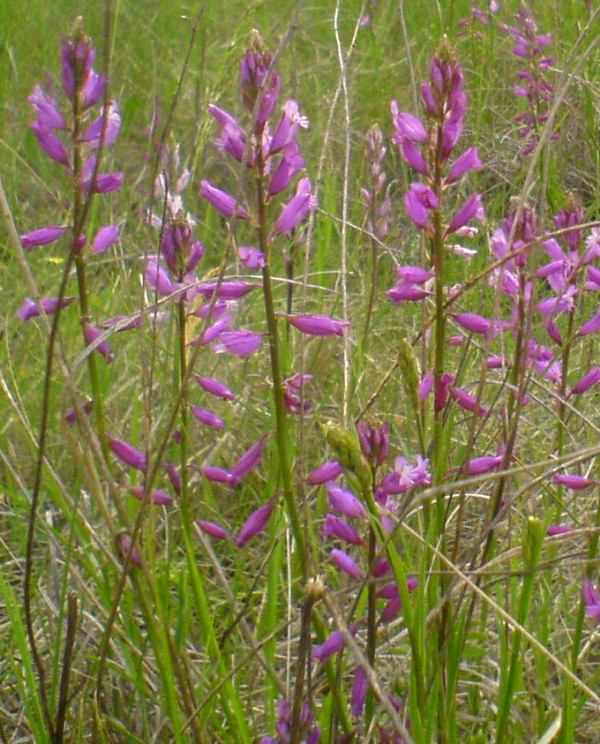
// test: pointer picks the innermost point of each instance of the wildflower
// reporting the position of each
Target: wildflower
(591, 600)
(590, 379)
(327, 472)
(93, 336)
(484, 464)
(297, 208)
(33, 308)
(318, 325)
(344, 501)
(339, 528)
(157, 496)
(252, 258)
(573, 481)
(333, 644)
(468, 161)
(213, 529)
(105, 237)
(128, 454)
(125, 546)
(255, 523)
(241, 343)
(360, 687)
(207, 417)
(222, 201)
(374, 442)
(214, 387)
(558, 529)
(43, 236)
(346, 564)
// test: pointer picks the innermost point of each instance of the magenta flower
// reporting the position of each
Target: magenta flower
(240, 343)
(255, 523)
(484, 464)
(468, 161)
(360, 687)
(332, 645)
(124, 544)
(50, 143)
(93, 134)
(215, 387)
(31, 308)
(104, 183)
(157, 495)
(290, 164)
(93, 335)
(327, 472)
(590, 326)
(425, 386)
(345, 563)
(222, 201)
(213, 529)
(226, 290)
(285, 131)
(251, 258)
(587, 381)
(297, 208)
(128, 454)
(207, 417)
(174, 477)
(572, 481)
(418, 201)
(258, 87)
(374, 442)
(46, 111)
(413, 156)
(43, 236)
(218, 475)
(339, 528)
(407, 126)
(413, 274)
(344, 501)
(468, 402)
(318, 325)
(591, 599)
(472, 322)
(558, 529)
(105, 237)
(249, 460)
(407, 293)
(471, 209)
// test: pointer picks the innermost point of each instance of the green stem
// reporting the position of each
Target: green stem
(281, 433)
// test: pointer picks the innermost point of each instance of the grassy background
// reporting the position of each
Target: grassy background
(74, 549)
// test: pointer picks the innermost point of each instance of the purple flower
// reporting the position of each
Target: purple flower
(215, 387)
(297, 208)
(484, 464)
(332, 645)
(258, 87)
(125, 543)
(472, 208)
(327, 472)
(290, 163)
(226, 290)
(249, 460)
(413, 156)
(472, 322)
(46, 111)
(318, 325)
(590, 326)
(468, 161)
(591, 599)
(339, 528)
(255, 523)
(413, 274)
(105, 237)
(218, 475)
(360, 687)
(93, 134)
(558, 529)
(407, 293)
(104, 184)
(207, 417)
(222, 201)
(31, 308)
(345, 563)
(158, 278)
(174, 477)
(344, 501)
(70, 416)
(213, 529)
(407, 126)
(468, 402)
(425, 386)
(287, 127)
(240, 343)
(128, 454)
(157, 495)
(251, 258)
(587, 381)
(93, 335)
(374, 441)
(572, 481)
(43, 236)
(50, 143)
(418, 200)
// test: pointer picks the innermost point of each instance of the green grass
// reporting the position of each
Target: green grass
(199, 643)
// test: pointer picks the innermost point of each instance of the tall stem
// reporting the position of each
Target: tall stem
(274, 352)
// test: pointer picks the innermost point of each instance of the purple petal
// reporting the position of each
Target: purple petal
(345, 502)
(249, 460)
(318, 325)
(43, 236)
(251, 258)
(31, 308)
(297, 208)
(207, 417)
(255, 523)
(240, 343)
(213, 529)
(222, 201)
(105, 237)
(587, 381)
(471, 209)
(339, 528)
(469, 160)
(157, 495)
(215, 387)
(573, 481)
(128, 454)
(346, 564)
(92, 334)
(327, 472)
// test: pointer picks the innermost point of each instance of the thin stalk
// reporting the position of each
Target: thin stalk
(281, 435)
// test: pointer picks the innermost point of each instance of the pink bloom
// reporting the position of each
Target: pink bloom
(572, 481)
(471, 209)
(591, 599)
(43, 236)
(345, 563)
(344, 501)
(222, 201)
(249, 460)
(226, 290)
(50, 143)
(71, 413)
(128, 454)
(558, 529)
(215, 387)
(484, 464)
(157, 495)
(360, 687)
(587, 381)
(251, 258)
(327, 472)
(413, 156)
(407, 293)
(472, 322)
(93, 134)
(31, 308)
(240, 343)
(255, 523)
(105, 237)
(407, 126)
(124, 543)
(468, 402)
(318, 325)
(425, 386)
(213, 529)
(413, 274)
(297, 208)
(339, 528)
(45, 108)
(591, 326)
(469, 160)
(207, 417)
(93, 335)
